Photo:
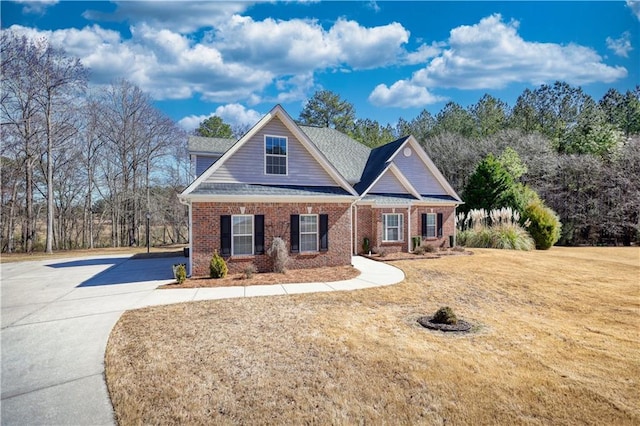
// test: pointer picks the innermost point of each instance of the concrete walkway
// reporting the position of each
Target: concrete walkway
(57, 315)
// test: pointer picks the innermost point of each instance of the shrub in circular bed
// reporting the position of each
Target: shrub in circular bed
(445, 315)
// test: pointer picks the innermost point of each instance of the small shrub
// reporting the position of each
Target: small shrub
(381, 252)
(429, 248)
(445, 315)
(458, 248)
(366, 245)
(420, 250)
(181, 273)
(249, 271)
(279, 255)
(218, 267)
(544, 225)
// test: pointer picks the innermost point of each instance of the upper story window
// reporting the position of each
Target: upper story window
(275, 155)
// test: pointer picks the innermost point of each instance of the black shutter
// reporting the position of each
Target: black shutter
(295, 233)
(258, 233)
(324, 232)
(424, 225)
(439, 225)
(225, 235)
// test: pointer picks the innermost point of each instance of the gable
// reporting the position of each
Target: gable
(247, 165)
(203, 162)
(417, 173)
(388, 184)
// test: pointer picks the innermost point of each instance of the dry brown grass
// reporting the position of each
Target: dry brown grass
(556, 342)
(324, 274)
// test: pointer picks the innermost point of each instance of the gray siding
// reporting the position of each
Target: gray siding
(388, 184)
(418, 175)
(247, 164)
(203, 162)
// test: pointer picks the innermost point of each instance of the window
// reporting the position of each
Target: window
(431, 225)
(242, 235)
(308, 232)
(275, 151)
(392, 227)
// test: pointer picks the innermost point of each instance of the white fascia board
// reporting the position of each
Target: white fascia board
(415, 203)
(201, 198)
(313, 150)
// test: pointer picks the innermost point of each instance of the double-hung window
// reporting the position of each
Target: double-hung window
(275, 155)
(392, 227)
(308, 232)
(431, 225)
(242, 235)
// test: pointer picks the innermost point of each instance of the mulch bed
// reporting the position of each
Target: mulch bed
(323, 274)
(391, 257)
(460, 326)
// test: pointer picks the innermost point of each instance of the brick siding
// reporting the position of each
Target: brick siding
(206, 234)
(370, 226)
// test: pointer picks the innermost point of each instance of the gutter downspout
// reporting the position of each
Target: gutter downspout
(190, 262)
(354, 236)
(409, 240)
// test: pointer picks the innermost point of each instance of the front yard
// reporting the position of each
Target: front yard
(556, 342)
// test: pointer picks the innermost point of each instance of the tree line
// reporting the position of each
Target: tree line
(80, 168)
(84, 168)
(581, 156)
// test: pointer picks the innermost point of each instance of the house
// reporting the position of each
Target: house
(316, 188)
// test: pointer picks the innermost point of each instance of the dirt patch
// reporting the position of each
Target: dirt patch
(325, 274)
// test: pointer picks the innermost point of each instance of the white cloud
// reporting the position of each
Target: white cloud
(491, 55)
(424, 53)
(620, 46)
(180, 16)
(35, 6)
(298, 45)
(402, 94)
(634, 5)
(232, 114)
(166, 64)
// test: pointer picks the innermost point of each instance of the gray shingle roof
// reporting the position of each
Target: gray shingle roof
(267, 190)
(209, 145)
(347, 155)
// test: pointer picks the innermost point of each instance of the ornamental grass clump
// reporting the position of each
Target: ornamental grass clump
(218, 267)
(498, 228)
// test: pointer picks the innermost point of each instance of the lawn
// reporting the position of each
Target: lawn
(556, 341)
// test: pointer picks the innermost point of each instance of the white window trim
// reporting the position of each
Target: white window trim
(286, 156)
(233, 235)
(435, 225)
(400, 227)
(317, 233)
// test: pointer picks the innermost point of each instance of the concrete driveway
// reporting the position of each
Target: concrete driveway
(56, 319)
(57, 316)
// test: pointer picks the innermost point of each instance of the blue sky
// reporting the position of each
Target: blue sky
(390, 59)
